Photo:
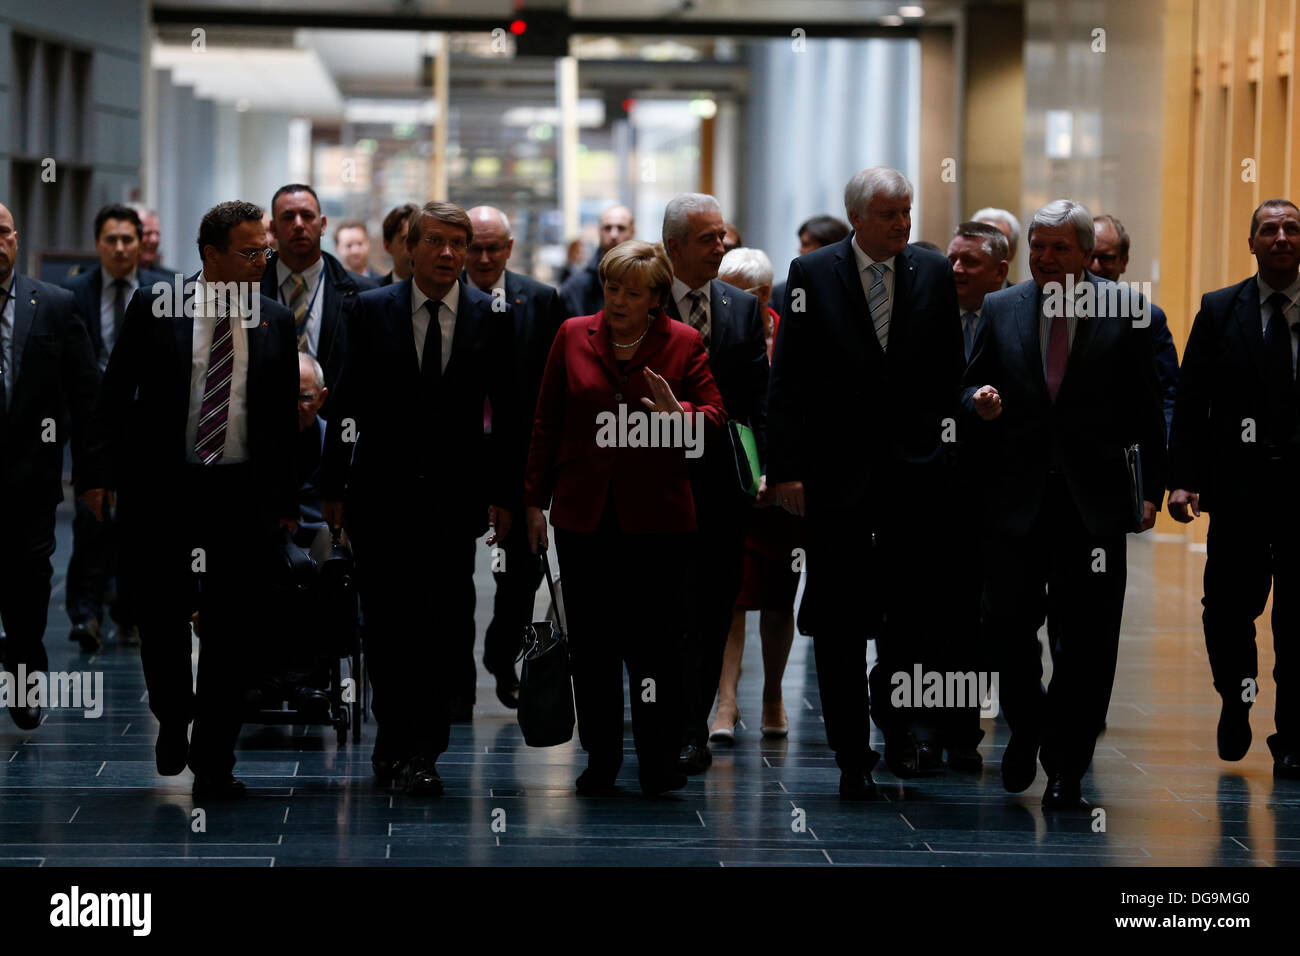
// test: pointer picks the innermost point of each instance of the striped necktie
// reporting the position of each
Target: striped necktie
(210, 441)
(298, 305)
(700, 316)
(878, 304)
(968, 320)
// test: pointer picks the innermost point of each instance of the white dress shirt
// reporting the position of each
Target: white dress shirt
(446, 320)
(205, 320)
(865, 262)
(107, 295)
(1292, 311)
(312, 275)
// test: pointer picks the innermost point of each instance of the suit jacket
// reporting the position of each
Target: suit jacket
(1226, 383)
(420, 432)
(339, 298)
(539, 312)
(582, 292)
(55, 377)
(1109, 399)
(1166, 363)
(88, 287)
(857, 424)
(738, 363)
(144, 407)
(567, 461)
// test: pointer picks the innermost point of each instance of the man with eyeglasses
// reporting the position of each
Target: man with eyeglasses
(313, 285)
(426, 354)
(102, 294)
(1110, 260)
(538, 313)
(204, 477)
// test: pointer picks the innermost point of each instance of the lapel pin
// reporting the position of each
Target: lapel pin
(33, 301)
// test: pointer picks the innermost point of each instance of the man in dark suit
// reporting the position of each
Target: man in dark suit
(1234, 452)
(1061, 383)
(539, 313)
(730, 323)
(48, 380)
(866, 366)
(395, 226)
(102, 295)
(424, 356)
(197, 412)
(311, 284)
(813, 234)
(1110, 260)
(582, 292)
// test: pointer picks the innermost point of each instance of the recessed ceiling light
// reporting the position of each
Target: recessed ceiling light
(891, 20)
(911, 11)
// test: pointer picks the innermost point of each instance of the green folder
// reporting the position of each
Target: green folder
(745, 450)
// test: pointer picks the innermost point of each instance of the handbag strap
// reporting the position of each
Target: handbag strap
(544, 558)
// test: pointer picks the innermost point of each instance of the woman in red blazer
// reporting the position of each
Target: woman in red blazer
(626, 401)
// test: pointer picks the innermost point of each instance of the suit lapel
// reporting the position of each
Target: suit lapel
(846, 267)
(598, 340)
(96, 301)
(463, 332)
(1027, 314)
(720, 317)
(901, 308)
(1246, 311)
(26, 305)
(398, 308)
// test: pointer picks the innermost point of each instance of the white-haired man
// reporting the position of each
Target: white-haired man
(1008, 225)
(731, 324)
(866, 367)
(1060, 384)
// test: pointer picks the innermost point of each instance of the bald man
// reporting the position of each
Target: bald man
(48, 381)
(582, 292)
(538, 312)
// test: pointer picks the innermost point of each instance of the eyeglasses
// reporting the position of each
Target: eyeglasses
(253, 255)
(1106, 257)
(493, 250)
(438, 242)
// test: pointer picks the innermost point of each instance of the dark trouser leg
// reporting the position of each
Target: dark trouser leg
(654, 637)
(590, 578)
(1085, 606)
(1286, 635)
(717, 567)
(512, 607)
(846, 602)
(1238, 575)
(447, 602)
(89, 568)
(25, 573)
(1015, 604)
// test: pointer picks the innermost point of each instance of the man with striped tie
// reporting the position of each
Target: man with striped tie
(313, 285)
(865, 371)
(204, 474)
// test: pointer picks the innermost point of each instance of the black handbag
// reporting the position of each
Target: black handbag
(546, 714)
(1136, 493)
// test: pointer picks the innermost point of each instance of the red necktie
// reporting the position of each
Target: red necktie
(1058, 354)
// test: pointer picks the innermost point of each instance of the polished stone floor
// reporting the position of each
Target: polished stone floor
(84, 792)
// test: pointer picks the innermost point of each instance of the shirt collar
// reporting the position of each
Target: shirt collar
(208, 294)
(865, 261)
(681, 290)
(1265, 290)
(451, 300)
(132, 279)
(8, 284)
(282, 272)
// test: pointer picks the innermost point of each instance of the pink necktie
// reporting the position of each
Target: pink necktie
(1058, 353)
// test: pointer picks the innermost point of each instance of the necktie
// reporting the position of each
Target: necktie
(1277, 337)
(699, 315)
(119, 312)
(968, 320)
(4, 361)
(878, 304)
(210, 442)
(298, 304)
(1058, 354)
(431, 358)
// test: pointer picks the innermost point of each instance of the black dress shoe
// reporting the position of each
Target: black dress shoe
(595, 783)
(420, 778)
(27, 718)
(1233, 735)
(508, 688)
(857, 785)
(1020, 762)
(694, 759)
(965, 760)
(1286, 763)
(929, 758)
(86, 633)
(654, 786)
(172, 750)
(387, 769)
(218, 788)
(1062, 794)
(901, 756)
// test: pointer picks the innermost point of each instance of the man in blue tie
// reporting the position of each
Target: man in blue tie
(978, 253)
